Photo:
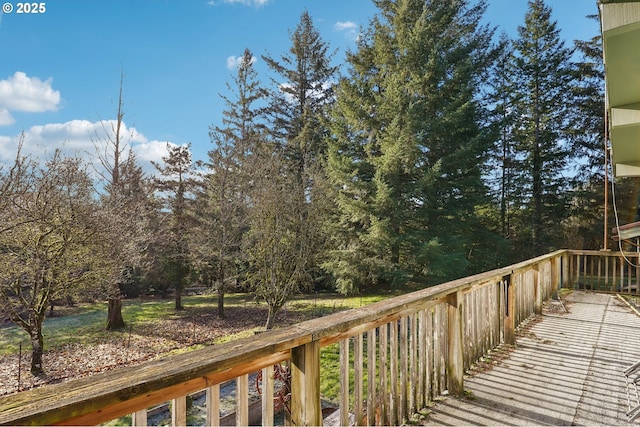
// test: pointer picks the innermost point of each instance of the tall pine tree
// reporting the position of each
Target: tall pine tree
(543, 108)
(297, 121)
(176, 181)
(408, 146)
(221, 210)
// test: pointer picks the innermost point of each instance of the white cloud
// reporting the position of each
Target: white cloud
(5, 117)
(82, 138)
(27, 94)
(149, 151)
(347, 27)
(233, 62)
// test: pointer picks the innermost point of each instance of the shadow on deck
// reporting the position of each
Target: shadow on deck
(566, 369)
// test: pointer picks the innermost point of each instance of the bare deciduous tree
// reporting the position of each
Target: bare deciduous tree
(125, 214)
(278, 248)
(49, 223)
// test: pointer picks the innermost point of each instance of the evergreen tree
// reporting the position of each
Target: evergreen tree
(586, 130)
(502, 161)
(409, 145)
(222, 206)
(543, 74)
(177, 183)
(297, 116)
(584, 229)
(304, 81)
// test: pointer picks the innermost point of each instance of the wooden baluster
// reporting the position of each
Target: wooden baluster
(267, 396)
(371, 377)
(606, 273)
(422, 359)
(383, 400)
(637, 273)
(510, 315)
(242, 400)
(394, 384)
(179, 411)
(455, 360)
(404, 367)
(213, 405)
(622, 264)
(344, 382)
(537, 291)
(614, 272)
(358, 378)
(139, 418)
(601, 286)
(305, 385)
(429, 356)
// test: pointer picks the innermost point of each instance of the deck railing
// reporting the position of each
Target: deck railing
(605, 271)
(395, 356)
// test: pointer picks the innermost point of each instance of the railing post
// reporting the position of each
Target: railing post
(537, 289)
(556, 274)
(179, 411)
(510, 311)
(139, 418)
(267, 396)
(305, 385)
(455, 362)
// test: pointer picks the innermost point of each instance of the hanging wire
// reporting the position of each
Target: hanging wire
(615, 210)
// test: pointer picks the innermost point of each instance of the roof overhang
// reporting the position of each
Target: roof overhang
(620, 22)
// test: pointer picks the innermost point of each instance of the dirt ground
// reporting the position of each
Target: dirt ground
(132, 346)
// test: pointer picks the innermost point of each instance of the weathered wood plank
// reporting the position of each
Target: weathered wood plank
(510, 308)
(242, 400)
(139, 418)
(96, 399)
(422, 359)
(92, 400)
(267, 396)
(383, 404)
(213, 405)
(407, 366)
(179, 411)
(358, 378)
(455, 358)
(394, 399)
(429, 357)
(305, 385)
(371, 377)
(344, 382)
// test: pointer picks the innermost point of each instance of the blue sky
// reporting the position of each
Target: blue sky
(60, 70)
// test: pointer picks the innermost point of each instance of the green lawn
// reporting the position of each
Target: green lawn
(86, 323)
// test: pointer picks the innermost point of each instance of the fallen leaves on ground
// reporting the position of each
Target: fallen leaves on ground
(139, 343)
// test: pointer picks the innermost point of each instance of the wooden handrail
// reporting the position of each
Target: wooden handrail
(109, 395)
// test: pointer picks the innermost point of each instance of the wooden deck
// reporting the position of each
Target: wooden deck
(397, 357)
(566, 369)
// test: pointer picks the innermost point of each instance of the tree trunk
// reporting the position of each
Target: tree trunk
(114, 314)
(221, 292)
(179, 298)
(221, 314)
(37, 345)
(271, 318)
